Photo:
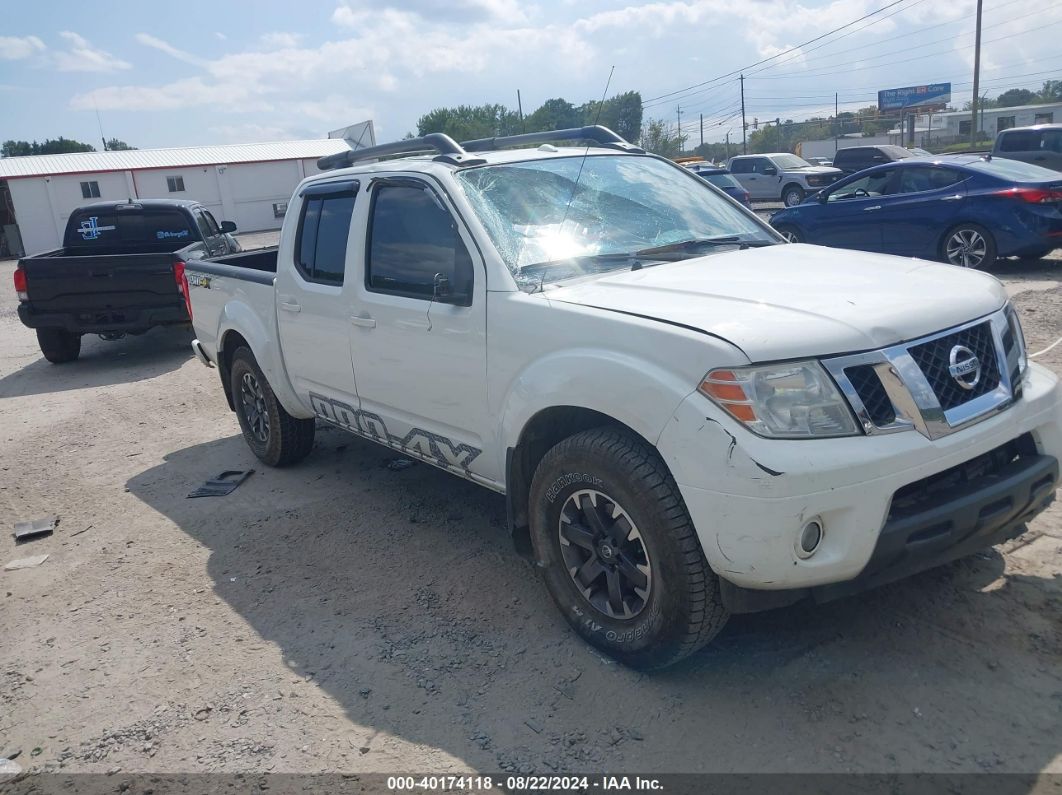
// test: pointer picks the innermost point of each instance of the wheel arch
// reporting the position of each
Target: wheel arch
(793, 184)
(544, 430)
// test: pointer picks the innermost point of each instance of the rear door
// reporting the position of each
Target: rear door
(760, 185)
(1051, 149)
(926, 201)
(314, 297)
(421, 363)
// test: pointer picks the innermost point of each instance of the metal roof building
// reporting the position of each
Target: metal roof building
(249, 184)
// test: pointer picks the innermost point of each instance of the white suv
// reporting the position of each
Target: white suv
(781, 177)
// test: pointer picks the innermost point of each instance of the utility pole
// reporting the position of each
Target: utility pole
(837, 123)
(520, 106)
(728, 144)
(744, 141)
(678, 114)
(702, 129)
(976, 80)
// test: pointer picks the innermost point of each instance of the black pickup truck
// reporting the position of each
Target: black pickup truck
(117, 272)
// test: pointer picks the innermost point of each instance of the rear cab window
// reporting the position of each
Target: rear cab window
(1019, 141)
(324, 227)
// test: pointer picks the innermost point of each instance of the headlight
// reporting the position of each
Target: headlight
(789, 401)
(1019, 339)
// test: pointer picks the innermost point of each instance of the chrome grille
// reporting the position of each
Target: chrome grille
(933, 358)
(910, 386)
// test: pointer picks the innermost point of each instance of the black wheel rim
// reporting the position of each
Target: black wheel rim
(604, 554)
(254, 407)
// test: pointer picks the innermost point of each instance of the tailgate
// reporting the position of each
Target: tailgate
(106, 281)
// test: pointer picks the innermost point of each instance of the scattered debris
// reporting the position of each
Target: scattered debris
(9, 768)
(26, 563)
(398, 464)
(533, 726)
(35, 528)
(224, 484)
(79, 532)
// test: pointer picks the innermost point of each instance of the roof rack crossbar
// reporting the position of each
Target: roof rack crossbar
(602, 136)
(438, 142)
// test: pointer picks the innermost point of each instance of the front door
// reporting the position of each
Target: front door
(849, 217)
(421, 359)
(927, 201)
(314, 298)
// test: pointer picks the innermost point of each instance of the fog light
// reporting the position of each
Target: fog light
(810, 536)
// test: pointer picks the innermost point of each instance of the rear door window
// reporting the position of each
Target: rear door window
(1020, 141)
(321, 240)
(923, 178)
(743, 166)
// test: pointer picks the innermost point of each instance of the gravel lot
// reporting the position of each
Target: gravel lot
(341, 616)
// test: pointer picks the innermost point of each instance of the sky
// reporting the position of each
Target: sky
(195, 72)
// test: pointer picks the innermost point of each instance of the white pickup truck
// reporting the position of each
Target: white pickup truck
(688, 417)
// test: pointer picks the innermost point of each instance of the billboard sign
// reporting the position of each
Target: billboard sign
(914, 97)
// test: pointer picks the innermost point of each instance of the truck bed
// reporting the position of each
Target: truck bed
(258, 265)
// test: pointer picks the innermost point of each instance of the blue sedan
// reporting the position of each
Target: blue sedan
(963, 209)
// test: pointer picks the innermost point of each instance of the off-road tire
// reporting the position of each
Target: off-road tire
(288, 439)
(59, 345)
(683, 609)
(795, 191)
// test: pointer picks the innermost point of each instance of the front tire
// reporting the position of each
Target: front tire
(793, 195)
(969, 246)
(618, 551)
(790, 233)
(59, 345)
(273, 435)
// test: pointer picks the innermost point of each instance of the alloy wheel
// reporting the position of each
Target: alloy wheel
(604, 554)
(254, 407)
(966, 248)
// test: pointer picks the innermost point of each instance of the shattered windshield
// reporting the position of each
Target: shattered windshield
(558, 218)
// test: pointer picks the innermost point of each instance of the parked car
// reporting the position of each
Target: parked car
(963, 209)
(856, 158)
(819, 161)
(115, 273)
(723, 180)
(780, 177)
(686, 417)
(1040, 145)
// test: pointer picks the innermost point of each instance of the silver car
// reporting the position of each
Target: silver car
(1040, 145)
(781, 177)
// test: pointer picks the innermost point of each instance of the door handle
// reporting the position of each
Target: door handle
(290, 306)
(363, 320)
(953, 198)
(875, 207)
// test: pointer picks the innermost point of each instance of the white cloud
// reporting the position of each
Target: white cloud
(83, 57)
(281, 41)
(163, 46)
(14, 48)
(352, 13)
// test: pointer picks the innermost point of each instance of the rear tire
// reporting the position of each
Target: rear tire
(59, 345)
(604, 506)
(793, 195)
(790, 233)
(968, 246)
(273, 435)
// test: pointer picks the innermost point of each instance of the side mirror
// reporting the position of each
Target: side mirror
(442, 292)
(228, 227)
(770, 171)
(821, 197)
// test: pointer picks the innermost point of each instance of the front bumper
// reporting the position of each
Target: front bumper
(749, 497)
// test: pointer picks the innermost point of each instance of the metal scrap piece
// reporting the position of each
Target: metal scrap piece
(35, 528)
(225, 483)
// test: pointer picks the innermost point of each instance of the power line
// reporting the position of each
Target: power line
(778, 55)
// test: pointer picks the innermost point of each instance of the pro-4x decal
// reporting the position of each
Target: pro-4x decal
(431, 447)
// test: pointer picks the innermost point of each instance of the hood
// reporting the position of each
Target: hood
(797, 301)
(816, 170)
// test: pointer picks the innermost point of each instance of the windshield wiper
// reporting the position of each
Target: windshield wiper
(695, 243)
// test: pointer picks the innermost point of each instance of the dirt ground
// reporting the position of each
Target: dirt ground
(342, 616)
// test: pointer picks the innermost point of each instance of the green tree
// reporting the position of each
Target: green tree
(466, 122)
(555, 114)
(114, 145)
(621, 113)
(1052, 91)
(49, 146)
(659, 138)
(1015, 97)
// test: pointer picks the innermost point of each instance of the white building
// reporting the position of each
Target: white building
(953, 126)
(249, 184)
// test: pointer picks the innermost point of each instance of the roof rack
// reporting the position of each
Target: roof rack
(449, 151)
(602, 136)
